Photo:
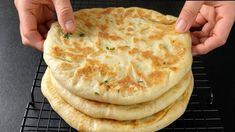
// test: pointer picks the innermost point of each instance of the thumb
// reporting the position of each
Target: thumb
(65, 16)
(188, 15)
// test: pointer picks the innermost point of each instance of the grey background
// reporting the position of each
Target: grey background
(18, 65)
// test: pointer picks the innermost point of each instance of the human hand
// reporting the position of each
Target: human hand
(36, 17)
(216, 19)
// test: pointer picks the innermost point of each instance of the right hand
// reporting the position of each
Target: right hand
(36, 17)
(216, 19)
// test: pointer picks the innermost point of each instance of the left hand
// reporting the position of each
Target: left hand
(36, 17)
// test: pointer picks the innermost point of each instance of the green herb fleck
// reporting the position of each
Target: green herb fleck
(140, 81)
(107, 48)
(81, 34)
(67, 35)
(106, 81)
(96, 93)
(112, 48)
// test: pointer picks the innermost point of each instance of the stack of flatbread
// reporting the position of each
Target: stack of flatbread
(123, 69)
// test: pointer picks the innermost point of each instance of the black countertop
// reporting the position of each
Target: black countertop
(18, 65)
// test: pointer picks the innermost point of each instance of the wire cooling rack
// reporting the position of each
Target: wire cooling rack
(201, 114)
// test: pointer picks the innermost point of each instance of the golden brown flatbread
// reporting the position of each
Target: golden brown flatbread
(126, 55)
(82, 122)
(121, 112)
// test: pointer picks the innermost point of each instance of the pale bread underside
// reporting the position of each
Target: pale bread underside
(120, 112)
(82, 122)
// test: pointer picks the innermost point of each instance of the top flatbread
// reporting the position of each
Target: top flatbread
(124, 55)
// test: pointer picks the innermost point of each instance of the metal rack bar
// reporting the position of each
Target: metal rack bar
(34, 82)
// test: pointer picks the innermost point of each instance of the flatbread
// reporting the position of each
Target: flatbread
(82, 122)
(127, 55)
(121, 112)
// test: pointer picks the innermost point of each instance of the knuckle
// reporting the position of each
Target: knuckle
(26, 34)
(189, 12)
(25, 42)
(65, 11)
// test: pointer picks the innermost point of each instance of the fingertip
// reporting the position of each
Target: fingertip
(35, 40)
(188, 15)
(69, 26)
(40, 45)
(65, 15)
(181, 26)
(200, 49)
(194, 51)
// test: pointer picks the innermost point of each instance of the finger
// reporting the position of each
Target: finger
(219, 37)
(26, 42)
(203, 39)
(195, 39)
(43, 30)
(200, 21)
(29, 31)
(206, 17)
(49, 4)
(50, 15)
(208, 12)
(188, 15)
(65, 15)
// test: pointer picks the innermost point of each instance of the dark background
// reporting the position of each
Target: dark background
(18, 65)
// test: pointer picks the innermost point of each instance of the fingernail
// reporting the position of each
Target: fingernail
(181, 25)
(69, 25)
